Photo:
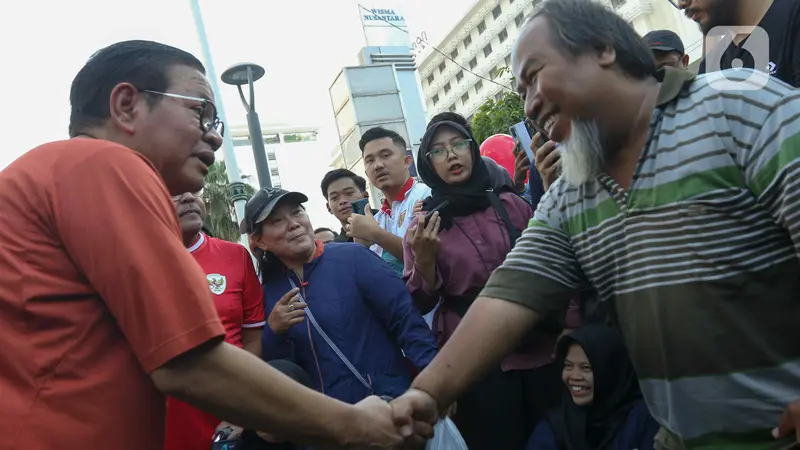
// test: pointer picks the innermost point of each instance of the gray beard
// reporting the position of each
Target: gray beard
(582, 155)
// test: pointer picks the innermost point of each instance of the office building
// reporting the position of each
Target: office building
(479, 49)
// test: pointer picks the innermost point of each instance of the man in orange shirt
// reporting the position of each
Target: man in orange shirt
(239, 301)
(102, 309)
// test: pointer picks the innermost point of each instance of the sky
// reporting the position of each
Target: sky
(302, 44)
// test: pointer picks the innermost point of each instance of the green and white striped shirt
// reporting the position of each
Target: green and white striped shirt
(699, 256)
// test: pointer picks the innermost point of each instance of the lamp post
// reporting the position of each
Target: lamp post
(239, 75)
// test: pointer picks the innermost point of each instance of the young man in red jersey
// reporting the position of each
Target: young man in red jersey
(239, 300)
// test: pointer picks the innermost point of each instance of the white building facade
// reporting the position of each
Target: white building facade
(481, 42)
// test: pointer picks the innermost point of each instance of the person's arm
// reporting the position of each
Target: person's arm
(388, 242)
(771, 163)
(159, 298)
(390, 300)
(422, 280)
(253, 320)
(537, 278)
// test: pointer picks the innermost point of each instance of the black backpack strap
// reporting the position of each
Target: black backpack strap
(513, 232)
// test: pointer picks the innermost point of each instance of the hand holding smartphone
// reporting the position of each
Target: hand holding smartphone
(360, 206)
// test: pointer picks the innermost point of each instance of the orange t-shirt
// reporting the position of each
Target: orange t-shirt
(96, 291)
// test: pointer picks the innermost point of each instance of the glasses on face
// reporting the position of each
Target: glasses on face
(198, 194)
(459, 148)
(209, 120)
(675, 3)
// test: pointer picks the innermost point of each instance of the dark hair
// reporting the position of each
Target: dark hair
(580, 26)
(338, 174)
(321, 229)
(144, 64)
(448, 116)
(379, 133)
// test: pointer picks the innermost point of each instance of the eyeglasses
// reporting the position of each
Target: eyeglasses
(198, 194)
(460, 148)
(209, 120)
(675, 3)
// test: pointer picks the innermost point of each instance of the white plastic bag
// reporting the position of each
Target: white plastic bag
(446, 437)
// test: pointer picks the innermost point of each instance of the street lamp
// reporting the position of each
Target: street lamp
(239, 75)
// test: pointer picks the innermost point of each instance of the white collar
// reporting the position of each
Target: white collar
(197, 244)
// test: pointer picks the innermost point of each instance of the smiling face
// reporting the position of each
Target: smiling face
(341, 195)
(287, 233)
(577, 375)
(450, 153)
(711, 13)
(168, 131)
(556, 88)
(191, 210)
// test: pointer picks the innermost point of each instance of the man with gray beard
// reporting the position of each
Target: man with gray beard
(679, 204)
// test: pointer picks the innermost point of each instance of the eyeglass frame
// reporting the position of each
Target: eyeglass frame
(450, 148)
(675, 4)
(198, 194)
(204, 102)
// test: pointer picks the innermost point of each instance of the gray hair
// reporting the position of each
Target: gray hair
(580, 26)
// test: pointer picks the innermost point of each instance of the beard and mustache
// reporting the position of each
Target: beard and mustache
(583, 155)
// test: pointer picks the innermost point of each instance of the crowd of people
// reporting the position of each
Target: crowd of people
(640, 292)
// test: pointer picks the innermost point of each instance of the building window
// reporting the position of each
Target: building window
(510, 2)
(471, 118)
(487, 50)
(467, 41)
(459, 75)
(496, 12)
(430, 79)
(617, 3)
(442, 66)
(465, 98)
(498, 96)
(454, 54)
(473, 63)
(507, 60)
(447, 87)
(503, 35)
(481, 27)
(452, 108)
(241, 142)
(478, 86)
(271, 156)
(514, 84)
(435, 98)
(519, 19)
(299, 137)
(272, 139)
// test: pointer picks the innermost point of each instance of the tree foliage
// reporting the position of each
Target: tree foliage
(219, 205)
(497, 116)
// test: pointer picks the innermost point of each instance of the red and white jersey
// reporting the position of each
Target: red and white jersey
(233, 281)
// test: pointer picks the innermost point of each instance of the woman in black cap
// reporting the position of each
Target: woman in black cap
(469, 231)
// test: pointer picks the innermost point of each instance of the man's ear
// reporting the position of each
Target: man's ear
(123, 104)
(328, 206)
(606, 56)
(408, 160)
(685, 61)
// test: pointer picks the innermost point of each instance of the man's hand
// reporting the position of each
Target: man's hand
(231, 431)
(548, 160)
(287, 312)
(362, 227)
(375, 426)
(415, 414)
(417, 209)
(522, 165)
(789, 423)
(424, 240)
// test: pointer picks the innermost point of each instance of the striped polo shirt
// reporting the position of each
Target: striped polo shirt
(699, 256)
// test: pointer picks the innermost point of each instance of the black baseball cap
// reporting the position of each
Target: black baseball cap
(665, 41)
(261, 204)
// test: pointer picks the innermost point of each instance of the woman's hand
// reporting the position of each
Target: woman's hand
(424, 240)
(287, 312)
(522, 165)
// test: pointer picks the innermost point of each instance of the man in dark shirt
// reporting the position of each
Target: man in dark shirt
(667, 48)
(779, 18)
(341, 188)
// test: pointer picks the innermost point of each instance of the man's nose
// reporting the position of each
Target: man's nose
(213, 139)
(683, 4)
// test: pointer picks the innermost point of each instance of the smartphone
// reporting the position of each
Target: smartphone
(519, 131)
(360, 206)
(430, 213)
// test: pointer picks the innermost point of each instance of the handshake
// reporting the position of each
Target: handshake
(404, 423)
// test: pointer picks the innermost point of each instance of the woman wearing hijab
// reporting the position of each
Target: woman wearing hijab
(602, 407)
(471, 229)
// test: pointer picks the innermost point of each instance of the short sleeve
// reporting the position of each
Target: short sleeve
(117, 223)
(541, 271)
(771, 159)
(252, 295)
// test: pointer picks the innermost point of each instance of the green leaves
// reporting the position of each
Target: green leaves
(495, 117)
(219, 205)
